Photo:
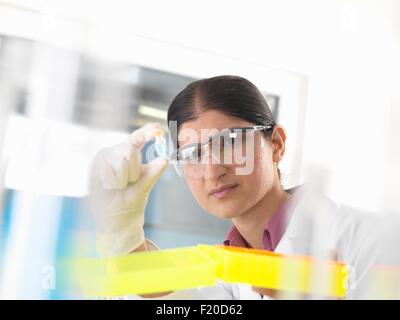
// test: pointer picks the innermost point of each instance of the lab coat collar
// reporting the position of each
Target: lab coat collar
(297, 237)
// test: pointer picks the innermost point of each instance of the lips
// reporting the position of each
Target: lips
(222, 191)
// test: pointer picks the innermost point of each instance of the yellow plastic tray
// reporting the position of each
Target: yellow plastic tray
(262, 268)
(145, 272)
(175, 269)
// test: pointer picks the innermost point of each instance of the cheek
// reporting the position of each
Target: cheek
(264, 168)
(261, 180)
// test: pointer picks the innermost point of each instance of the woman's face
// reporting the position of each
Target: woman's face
(238, 192)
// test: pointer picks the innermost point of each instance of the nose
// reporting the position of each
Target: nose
(214, 171)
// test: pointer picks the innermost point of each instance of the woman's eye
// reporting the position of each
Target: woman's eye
(230, 141)
(196, 153)
(234, 141)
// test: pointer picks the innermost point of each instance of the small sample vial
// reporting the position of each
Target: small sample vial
(160, 145)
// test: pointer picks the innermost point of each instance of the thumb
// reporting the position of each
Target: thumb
(140, 136)
(152, 171)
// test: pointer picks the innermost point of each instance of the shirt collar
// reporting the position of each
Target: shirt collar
(234, 238)
(275, 228)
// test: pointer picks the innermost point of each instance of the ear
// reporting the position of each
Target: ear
(278, 141)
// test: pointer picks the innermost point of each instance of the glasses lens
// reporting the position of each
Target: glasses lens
(226, 148)
(191, 154)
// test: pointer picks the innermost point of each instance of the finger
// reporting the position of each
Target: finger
(133, 158)
(121, 164)
(137, 139)
(113, 170)
(152, 171)
(140, 136)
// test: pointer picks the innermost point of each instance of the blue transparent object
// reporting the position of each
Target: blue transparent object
(161, 146)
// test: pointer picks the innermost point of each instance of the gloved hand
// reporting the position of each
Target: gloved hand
(120, 187)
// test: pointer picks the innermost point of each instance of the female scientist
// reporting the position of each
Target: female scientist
(212, 116)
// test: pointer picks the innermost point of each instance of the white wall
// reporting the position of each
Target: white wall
(347, 49)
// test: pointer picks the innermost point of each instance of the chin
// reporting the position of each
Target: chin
(225, 213)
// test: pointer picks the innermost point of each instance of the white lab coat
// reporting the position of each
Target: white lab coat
(354, 235)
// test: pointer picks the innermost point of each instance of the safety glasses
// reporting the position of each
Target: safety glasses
(229, 146)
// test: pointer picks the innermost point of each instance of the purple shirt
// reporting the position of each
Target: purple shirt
(273, 231)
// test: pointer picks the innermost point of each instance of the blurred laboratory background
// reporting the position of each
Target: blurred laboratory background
(77, 76)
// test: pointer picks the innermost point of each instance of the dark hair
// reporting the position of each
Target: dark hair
(232, 95)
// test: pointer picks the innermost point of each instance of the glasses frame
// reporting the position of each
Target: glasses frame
(174, 159)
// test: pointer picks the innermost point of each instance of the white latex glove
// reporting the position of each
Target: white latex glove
(120, 188)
